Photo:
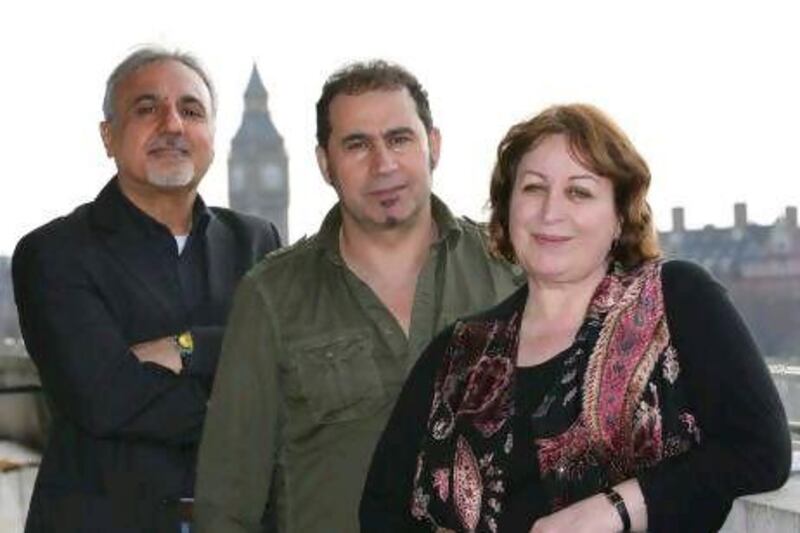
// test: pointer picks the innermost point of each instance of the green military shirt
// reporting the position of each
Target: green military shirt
(311, 366)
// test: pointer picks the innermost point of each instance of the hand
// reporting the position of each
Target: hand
(163, 352)
(592, 515)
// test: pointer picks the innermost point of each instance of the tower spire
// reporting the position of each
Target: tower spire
(255, 96)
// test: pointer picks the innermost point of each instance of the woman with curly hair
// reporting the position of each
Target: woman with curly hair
(615, 391)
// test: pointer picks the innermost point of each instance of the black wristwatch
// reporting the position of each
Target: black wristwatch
(185, 344)
(619, 504)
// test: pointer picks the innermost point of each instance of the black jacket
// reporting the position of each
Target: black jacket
(124, 435)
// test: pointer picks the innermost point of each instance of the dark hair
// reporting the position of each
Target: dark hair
(598, 144)
(145, 56)
(358, 78)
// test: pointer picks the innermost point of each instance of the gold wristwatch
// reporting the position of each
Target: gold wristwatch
(185, 345)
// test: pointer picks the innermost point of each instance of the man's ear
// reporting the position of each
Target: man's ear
(322, 162)
(107, 135)
(435, 145)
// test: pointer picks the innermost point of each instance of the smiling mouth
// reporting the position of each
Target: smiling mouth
(173, 152)
(550, 239)
(387, 197)
(388, 191)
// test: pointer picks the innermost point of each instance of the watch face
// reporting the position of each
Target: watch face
(271, 176)
(185, 341)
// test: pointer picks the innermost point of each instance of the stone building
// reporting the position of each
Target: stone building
(760, 266)
(258, 177)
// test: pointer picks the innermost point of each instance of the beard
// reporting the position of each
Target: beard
(170, 171)
(178, 176)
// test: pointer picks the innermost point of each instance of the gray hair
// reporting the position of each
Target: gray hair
(144, 56)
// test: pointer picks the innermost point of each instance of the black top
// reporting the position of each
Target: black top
(187, 267)
(525, 499)
(745, 449)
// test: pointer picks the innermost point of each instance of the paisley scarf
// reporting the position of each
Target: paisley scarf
(616, 408)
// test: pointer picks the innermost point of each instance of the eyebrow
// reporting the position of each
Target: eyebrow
(361, 136)
(571, 178)
(402, 130)
(143, 98)
(189, 99)
(150, 97)
(357, 136)
(584, 177)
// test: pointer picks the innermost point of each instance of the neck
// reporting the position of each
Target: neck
(560, 301)
(170, 207)
(387, 251)
(390, 261)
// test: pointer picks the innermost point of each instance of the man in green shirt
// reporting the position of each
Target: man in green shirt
(323, 334)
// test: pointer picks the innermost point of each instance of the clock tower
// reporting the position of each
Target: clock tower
(258, 178)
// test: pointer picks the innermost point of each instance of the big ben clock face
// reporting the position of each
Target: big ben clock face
(271, 177)
(237, 178)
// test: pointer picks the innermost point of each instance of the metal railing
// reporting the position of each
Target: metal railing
(792, 373)
(21, 389)
(781, 369)
(777, 370)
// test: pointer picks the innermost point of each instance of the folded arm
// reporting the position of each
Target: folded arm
(86, 364)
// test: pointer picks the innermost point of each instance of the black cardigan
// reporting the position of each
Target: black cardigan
(746, 446)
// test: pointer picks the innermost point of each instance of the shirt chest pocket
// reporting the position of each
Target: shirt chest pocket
(338, 376)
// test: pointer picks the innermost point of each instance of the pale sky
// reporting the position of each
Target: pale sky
(708, 91)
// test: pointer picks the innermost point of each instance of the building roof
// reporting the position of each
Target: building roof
(725, 251)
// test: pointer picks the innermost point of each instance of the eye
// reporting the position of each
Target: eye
(144, 109)
(579, 193)
(193, 112)
(398, 140)
(355, 145)
(534, 187)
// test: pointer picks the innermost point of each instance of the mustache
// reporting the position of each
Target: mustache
(168, 142)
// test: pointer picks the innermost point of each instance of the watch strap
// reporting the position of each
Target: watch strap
(619, 504)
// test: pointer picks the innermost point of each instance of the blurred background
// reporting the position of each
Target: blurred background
(706, 91)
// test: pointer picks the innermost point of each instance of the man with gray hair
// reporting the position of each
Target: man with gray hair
(122, 305)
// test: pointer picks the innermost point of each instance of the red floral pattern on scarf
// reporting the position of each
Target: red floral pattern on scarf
(483, 396)
(612, 429)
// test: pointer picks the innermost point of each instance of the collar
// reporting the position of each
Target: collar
(113, 211)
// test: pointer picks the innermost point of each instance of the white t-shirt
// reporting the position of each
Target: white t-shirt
(181, 241)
